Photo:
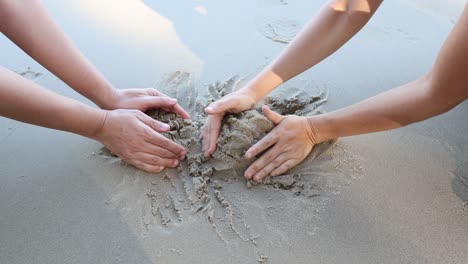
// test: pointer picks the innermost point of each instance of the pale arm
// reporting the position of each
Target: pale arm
(29, 26)
(441, 89)
(26, 101)
(444, 87)
(336, 23)
(128, 133)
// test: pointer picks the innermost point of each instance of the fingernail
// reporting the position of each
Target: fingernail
(209, 109)
(165, 126)
(173, 100)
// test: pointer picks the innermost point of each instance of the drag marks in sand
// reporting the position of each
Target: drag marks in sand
(278, 29)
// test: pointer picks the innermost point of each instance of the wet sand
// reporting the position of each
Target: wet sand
(393, 197)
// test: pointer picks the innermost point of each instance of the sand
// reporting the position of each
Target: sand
(238, 131)
(201, 189)
(281, 30)
(393, 197)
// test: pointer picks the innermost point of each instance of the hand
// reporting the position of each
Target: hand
(235, 102)
(287, 145)
(145, 99)
(133, 136)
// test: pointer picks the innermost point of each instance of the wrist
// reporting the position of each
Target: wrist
(263, 84)
(252, 92)
(107, 98)
(320, 128)
(97, 119)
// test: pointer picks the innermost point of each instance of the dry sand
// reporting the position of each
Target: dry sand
(394, 197)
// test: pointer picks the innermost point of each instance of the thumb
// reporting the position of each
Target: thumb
(272, 115)
(219, 107)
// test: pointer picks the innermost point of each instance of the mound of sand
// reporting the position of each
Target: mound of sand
(238, 131)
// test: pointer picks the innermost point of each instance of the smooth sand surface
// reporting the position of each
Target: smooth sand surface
(393, 197)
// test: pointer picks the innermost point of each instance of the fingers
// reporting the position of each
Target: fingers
(175, 107)
(272, 115)
(163, 142)
(284, 167)
(210, 134)
(157, 102)
(155, 92)
(153, 123)
(158, 139)
(156, 150)
(265, 164)
(146, 167)
(269, 140)
(155, 160)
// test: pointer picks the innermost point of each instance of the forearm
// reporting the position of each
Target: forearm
(29, 26)
(444, 87)
(27, 102)
(333, 26)
(401, 106)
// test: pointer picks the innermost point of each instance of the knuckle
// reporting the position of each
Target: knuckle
(276, 163)
(156, 159)
(148, 134)
(269, 140)
(288, 166)
(254, 168)
(126, 154)
(137, 164)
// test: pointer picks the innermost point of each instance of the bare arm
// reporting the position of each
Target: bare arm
(442, 88)
(29, 26)
(336, 23)
(128, 133)
(26, 101)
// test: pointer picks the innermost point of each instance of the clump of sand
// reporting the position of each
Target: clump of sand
(239, 131)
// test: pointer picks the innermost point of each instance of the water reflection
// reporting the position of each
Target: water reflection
(140, 31)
